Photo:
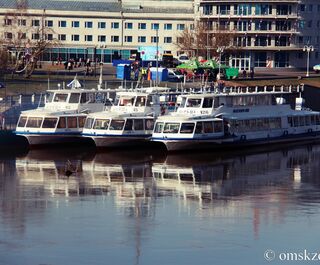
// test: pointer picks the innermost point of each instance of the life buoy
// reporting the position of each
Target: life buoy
(149, 124)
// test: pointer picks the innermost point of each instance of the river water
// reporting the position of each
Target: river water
(151, 208)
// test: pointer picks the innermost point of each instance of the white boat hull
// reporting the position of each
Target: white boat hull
(50, 139)
(118, 141)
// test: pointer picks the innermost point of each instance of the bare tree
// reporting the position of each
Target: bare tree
(25, 38)
(203, 41)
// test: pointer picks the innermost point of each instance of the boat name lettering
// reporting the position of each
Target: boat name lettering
(240, 110)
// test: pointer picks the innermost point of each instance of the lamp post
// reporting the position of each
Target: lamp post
(208, 27)
(308, 49)
(157, 54)
(220, 50)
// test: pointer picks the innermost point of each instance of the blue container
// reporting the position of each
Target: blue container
(117, 62)
(123, 71)
(162, 74)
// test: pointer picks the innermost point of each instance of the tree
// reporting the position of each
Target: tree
(25, 37)
(203, 41)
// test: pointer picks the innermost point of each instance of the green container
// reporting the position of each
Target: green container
(232, 73)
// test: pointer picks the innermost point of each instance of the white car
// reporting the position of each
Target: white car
(183, 58)
(316, 68)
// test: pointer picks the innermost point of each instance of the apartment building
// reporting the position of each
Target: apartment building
(267, 33)
(107, 30)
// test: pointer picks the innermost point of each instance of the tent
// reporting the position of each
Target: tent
(192, 65)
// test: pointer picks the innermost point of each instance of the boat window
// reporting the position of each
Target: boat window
(81, 121)
(101, 124)
(74, 98)
(22, 121)
(171, 127)
(296, 121)
(149, 124)
(72, 122)
(318, 119)
(207, 103)
(301, 121)
(60, 97)
(138, 125)
(126, 101)
(62, 122)
(34, 122)
(49, 123)
(140, 101)
(198, 128)
(108, 102)
(116, 125)
(187, 128)
(149, 101)
(313, 120)
(88, 124)
(159, 127)
(308, 120)
(275, 123)
(207, 127)
(183, 102)
(218, 127)
(83, 98)
(129, 125)
(194, 102)
(290, 121)
(49, 97)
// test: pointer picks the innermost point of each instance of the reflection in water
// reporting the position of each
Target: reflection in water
(262, 188)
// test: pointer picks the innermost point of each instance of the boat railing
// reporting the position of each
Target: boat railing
(264, 89)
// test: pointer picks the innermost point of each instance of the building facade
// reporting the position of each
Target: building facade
(267, 33)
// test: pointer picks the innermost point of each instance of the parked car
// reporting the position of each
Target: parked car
(175, 75)
(183, 58)
(316, 68)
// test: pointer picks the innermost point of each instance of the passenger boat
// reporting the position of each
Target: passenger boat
(237, 117)
(62, 118)
(129, 121)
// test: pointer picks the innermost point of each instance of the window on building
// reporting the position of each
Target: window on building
(155, 26)
(142, 39)
(35, 23)
(115, 25)
(22, 22)
(167, 26)
(154, 39)
(49, 36)
(35, 36)
(114, 38)
(88, 24)
(101, 25)
(207, 9)
(263, 9)
(7, 22)
(284, 9)
(127, 38)
(49, 23)
(62, 37)
(167, 39)
(8, 35)
(128, 25)
(62, 23)
(309, 24)
(22, 36)
(75, 37)
(310, 8)
(142, 26)
(102, 38)
(75, 24)
(88, 38)
(180, 26)
(223, 9)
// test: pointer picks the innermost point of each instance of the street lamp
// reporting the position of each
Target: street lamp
(208, 27)
(308, 49)
(220, 50)
(157, 55)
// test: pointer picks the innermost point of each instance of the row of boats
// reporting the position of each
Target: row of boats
(180, 120)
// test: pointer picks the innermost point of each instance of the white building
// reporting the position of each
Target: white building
(268, 33)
